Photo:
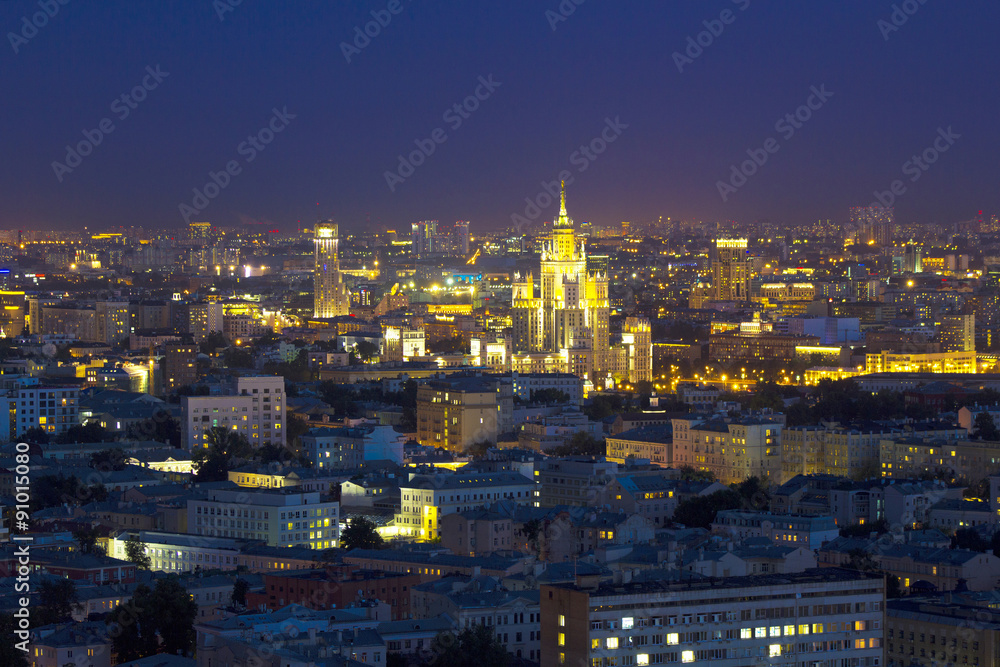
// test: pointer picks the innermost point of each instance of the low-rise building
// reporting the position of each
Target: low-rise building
(788, 529)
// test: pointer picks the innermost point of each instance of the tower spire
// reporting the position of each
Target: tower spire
(562, 199)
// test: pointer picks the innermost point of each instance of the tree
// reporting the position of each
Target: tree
(479, 449)
(361, 533)
(161, 427)
(160, 620)
(222, 446)
(238, 357)
(550, 395)
(108, 459)
(580, 444)
(36, 436)
(700, 511)
(690, 474)
(10, 654)
(238, 598)
(175, 615)
(477, 645)
(86, 537)
(89, 432)
(447, 345)
(57, 599)
(366, 350)
(135, 552)
(892, 587)
(213, 341)
(986, 428)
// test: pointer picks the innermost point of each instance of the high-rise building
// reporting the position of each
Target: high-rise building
(204, 318)
(873, 224)
(180, 365)
(331, 298)
(957, 333)
(568, 321)
(460, 237)
(731, 270)
(199, 231)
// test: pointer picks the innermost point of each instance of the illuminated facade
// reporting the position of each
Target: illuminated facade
(731, 270)
(330, 293)
(12, 314)
(567, 323)
(942, 362)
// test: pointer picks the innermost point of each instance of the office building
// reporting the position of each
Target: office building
(284, 517)
(331, 298)
(254, 407)
(12, 313)
(957, 333)
(818, 617)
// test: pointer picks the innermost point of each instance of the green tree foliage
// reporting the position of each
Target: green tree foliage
(36, 436)
(548, 396)
(985, 427)
(135, 552)
(450, 345)
(238, 598)
(56, 601)
(159, 620)
(843, 401)
(477, 645)
(86, 537)
(366, 350)
(222, 447)
(296, 370)
(690, 474)
(361, 533)
(865, 529)
(700, 511)
(161, 428)
(238, 357)
(605, 405)
(53, 490)
(968, 538)
(213, 341)
(9, 653)
(89, 432)
(479, 449)
(108, 459)
(580, 444)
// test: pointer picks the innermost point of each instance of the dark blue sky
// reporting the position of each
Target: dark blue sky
(608, 59)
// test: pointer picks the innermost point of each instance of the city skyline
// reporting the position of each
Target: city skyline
(274, 113)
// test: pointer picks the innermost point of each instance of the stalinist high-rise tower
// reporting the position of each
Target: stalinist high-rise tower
(565, 328)
(330, 294)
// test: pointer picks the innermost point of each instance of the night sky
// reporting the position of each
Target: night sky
(606, 60)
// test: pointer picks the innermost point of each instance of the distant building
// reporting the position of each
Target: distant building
(730, 270)
(457, 412)
(330, 295)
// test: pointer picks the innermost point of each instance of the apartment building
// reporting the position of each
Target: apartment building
(911, 457)
(579, 481)
(282, 517)
(733, 449)
(818, 617)
(177, 552)
(254, 406)
(936, 630)
(457, 412)
(807, 531)
(427, 498)
(52, 409)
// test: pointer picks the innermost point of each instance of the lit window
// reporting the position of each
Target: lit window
(642, 659)
(627, 623)
(687, 656)
(746, 633)
(562, 621)
(774, 650)
(612, 642)
(673, 638)
(760, 632)
(562, 638)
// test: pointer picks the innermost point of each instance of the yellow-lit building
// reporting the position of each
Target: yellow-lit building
(814, 375)
(12, 314)
(940, 362)
(569, 317)
(330, 293)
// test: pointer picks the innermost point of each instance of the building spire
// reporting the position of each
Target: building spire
(563, 219)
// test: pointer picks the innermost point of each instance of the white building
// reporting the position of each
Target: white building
(282, 517)
(254, 407)
(52, 409)
(177, 552)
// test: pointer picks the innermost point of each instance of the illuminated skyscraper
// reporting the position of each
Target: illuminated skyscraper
(330, 294)
(731, 270)
(874, 224)
(565, 328)
(199, 231)
(460, 238)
